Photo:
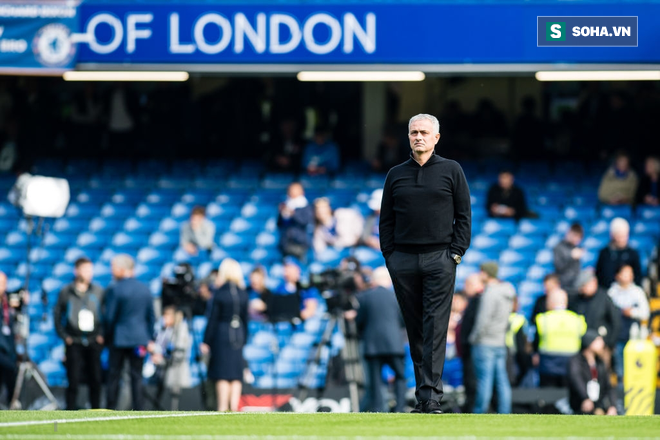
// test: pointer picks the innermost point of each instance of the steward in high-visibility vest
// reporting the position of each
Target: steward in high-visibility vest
(558, 337)
(519, 361)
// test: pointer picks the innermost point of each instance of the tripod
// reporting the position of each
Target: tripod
(27, 369)
(349, 355)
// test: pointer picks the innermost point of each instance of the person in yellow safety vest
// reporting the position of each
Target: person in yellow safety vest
(558, 337)
(519, 360)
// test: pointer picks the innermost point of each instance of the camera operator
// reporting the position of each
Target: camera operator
(181, 291)
(204, 294)
(77, 318)
(290, 285)
(259, 295)
(8, 368)
(380, 324)
(171, 352)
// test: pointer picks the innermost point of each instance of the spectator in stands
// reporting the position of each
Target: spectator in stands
(391, 151)
(488, 339)
(8, 369)
(287, 147)
(290, 285)
(129, 326)
(567, 256)
(171, 353)
(633, 306)
(551, 284)
(226, 334)
(321, 155)
(371, 234)
(505, 199)
(474, 287)
(558, 336)
(599, 312)
(518, 347)
(258, 294)
(381, 325)
(77, 318)
(295, 223)
(619, 184)
(617, 253)
(589, 386)
(339, 229)
(648, 191)
(198, 233)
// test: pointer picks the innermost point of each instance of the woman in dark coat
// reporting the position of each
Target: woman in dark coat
(226, 334)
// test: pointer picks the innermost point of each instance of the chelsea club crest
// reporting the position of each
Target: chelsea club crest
(52, 45)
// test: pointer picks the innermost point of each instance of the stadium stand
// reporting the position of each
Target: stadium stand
(137, 208)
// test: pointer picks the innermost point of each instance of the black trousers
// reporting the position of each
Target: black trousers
(8, 372)
(116, 363)
(424, 286)
(375, 366)
(83, 361)
(469, 382)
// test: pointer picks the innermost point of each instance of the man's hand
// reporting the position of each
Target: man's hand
(68, 340)
(535, 360)
(190, 248)
(151, 346)
(204, 348)
(587, 406)
(350, 314)
(577, 253)
(611, 411)
(627, 312)
(100, 340)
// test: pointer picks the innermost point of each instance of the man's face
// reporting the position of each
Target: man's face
(291, 273)
(574, 238)
(257, 281)
(622, 163)
(196, 220)
(84, 273)
(590, 288)
(505, 180)
(422, 136)
(598, 346)
(295, 190)
(3, 283)
(168, 318)
(550, 285)
(620, 238)
(625, 276)
(474, 285)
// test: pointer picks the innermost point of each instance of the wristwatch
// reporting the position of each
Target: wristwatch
(457, 258)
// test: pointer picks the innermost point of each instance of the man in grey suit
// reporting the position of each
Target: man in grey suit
(381, 325)
(130, 320)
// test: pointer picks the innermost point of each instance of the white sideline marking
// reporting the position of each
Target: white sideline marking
(106, 419)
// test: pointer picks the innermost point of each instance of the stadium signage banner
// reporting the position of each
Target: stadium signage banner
(37, 36)
(587, 31)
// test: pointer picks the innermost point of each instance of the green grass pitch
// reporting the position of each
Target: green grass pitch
(211, 426)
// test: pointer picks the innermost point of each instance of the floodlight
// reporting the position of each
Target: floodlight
(40, 196)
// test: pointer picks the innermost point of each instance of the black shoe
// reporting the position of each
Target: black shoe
(418, 409)
(432, 407)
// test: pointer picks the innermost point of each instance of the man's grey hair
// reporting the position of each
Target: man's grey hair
(424, 116)
(124, 261)
(619, 225)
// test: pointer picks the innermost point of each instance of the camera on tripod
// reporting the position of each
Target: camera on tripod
(338, 287)
(180, 291)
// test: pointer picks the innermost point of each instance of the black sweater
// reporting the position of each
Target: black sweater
(425, 208)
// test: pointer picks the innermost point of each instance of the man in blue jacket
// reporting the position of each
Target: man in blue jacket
(130, 320)
(295, 223)
(381, 326)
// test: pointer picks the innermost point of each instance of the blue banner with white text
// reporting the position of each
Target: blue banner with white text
(359, 33)
(37, 36)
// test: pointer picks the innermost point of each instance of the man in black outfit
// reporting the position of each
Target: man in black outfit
(77, 318)
(8, 369)
(505, 199)
(380, 323)
(425, 226)
(129, 326)
(474, 287)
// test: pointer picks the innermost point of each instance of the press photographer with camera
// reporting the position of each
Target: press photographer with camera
(8, 368)
(77, 318)
(290, 285)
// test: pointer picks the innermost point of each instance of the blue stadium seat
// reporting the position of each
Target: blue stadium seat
(168, 224)
(544, 257)
(73, 253)
(231, 241)
(265, 339)
(86, 211)
(600, 227)
(214, 210)
(140, 225)
(122, 240)
(107, 226)
(512, 274)
(131, 196)
(489, 242)
(579, 213)
(152, 211)
(92, 240)
(16, 239)
(164, 241)
(476, 257)
(529, 242)
(102, 270)
(610, 212)
(70, 225)
(500, 227)
(46, 255)
(180, 211)
(163, 198)
(59, 240)
(596, 242)
(520, 258)
(11, 256)
(252, 353)
(52, 286)
(649, 212)
(265, 256)
(250, 226)
(647, 227)
(537, 272)
(62, 270)
(150, 255)
(218, 254)
(7, 223)
(267, 239)
(535, 227)
(117, 211)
